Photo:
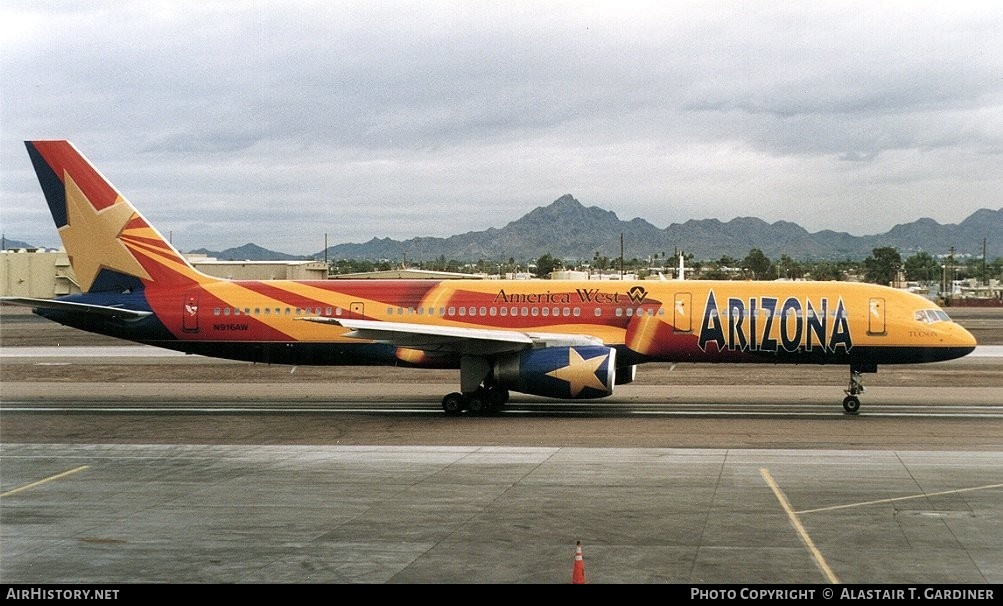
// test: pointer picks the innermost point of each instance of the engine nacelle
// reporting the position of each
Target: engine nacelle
(578, 372)
(626, 375)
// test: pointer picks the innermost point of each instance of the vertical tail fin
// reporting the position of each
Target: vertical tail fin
(110, 245)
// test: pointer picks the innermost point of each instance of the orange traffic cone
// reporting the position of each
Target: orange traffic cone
(578, 572)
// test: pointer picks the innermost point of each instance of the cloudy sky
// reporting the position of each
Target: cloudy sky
(279, 122)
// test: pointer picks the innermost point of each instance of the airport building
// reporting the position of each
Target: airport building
(40, 274)
(406, 274)
(44, 274)
(570, 274)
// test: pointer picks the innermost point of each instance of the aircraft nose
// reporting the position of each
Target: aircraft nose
(963, 337)
(956, 342)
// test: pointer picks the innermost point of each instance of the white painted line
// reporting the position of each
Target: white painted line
(796, 522)
(43, 481)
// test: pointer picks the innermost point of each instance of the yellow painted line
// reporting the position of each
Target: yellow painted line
(915, 496)
(792, 515)
(43, 481)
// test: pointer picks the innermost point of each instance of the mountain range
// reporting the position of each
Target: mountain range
(566, 229)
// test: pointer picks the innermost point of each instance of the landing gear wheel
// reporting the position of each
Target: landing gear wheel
(477, 403)
(494, 398)
(499, 397)
(453, 404)
(851, 404)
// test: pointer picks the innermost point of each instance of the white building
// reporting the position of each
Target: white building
(43, 274)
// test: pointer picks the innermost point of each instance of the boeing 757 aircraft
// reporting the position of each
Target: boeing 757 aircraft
(558, 339)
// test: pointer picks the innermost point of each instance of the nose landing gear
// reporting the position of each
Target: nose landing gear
(851, 403)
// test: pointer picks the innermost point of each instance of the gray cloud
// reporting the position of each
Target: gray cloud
(279, 122)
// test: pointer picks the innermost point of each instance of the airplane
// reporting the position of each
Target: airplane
(552, 338)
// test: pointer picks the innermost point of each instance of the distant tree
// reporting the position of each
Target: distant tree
(350, 266)
(922, 267)
(726, 261)
(694, 266)
(995, 269)
(721, 269)
(600, 262)
(825, 270)
(882, 266)
(758, 266)
(982, 270)
(714, 273)
(545, 265)
(789, 268)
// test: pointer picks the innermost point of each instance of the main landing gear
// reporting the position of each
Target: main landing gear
(851, 403)
(480, 402)
(479, 394)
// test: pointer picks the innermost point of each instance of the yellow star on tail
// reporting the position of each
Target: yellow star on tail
(91, 238)
(580, 373)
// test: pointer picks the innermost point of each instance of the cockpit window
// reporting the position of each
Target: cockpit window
(929, 316)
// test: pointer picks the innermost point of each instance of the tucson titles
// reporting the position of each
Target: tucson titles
(768, 324)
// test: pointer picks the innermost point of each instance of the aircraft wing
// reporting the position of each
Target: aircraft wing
(458, 339)
(89, 308)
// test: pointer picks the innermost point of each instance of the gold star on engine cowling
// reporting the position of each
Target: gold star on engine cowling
(580, 373)
(92, 237)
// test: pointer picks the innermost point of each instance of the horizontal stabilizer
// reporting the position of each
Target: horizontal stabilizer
(100, 310)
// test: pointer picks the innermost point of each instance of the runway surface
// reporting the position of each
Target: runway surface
(146, 469)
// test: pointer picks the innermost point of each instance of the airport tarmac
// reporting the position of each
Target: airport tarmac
(94, 514)
(289, 488)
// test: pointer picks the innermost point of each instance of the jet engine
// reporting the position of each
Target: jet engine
(577, 372)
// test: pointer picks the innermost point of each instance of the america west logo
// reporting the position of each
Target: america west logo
(636, 294)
